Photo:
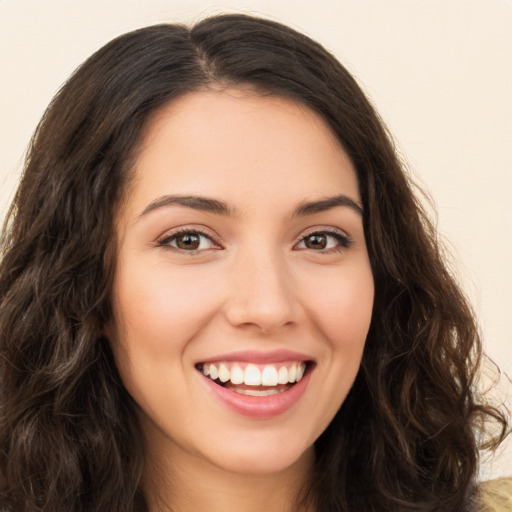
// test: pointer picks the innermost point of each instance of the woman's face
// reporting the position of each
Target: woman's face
(243, 290)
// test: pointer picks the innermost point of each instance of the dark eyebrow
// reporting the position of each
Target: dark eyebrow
(312, 207)
(221, 208)
(205, 204)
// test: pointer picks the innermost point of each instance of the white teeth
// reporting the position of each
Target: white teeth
(270, 375)
(282, 376)
(252, 375)
(214, 373)
(300, 372)
(224, 374)
(237, 375)
(292, 373)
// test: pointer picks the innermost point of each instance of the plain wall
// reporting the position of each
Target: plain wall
(439, 72)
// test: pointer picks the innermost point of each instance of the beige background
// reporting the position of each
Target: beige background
(439, 71)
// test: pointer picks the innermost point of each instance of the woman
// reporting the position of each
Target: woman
(218, 291)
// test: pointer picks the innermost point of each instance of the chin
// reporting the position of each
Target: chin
(262, 458)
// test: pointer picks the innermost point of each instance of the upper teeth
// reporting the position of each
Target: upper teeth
(252, 375)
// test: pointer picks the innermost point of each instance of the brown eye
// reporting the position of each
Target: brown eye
(324, 241)
(316, 241)
(188, 241)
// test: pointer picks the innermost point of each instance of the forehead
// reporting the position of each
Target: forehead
(240, 145)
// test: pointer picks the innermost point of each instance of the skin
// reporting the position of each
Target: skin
(255, 283)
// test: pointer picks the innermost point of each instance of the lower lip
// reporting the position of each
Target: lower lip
(263, 407)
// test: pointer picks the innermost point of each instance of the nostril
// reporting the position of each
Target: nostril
(261, 300)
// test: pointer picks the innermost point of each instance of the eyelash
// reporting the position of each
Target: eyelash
(343, 241)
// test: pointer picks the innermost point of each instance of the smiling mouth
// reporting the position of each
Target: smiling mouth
(253, 379)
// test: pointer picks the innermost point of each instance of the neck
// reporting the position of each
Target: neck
(177, 481)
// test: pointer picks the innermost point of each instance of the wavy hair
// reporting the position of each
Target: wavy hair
(408, 434)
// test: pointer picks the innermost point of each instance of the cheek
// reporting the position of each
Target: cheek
(339, 310)
(342, 308)
(160, 303)
(158, 310)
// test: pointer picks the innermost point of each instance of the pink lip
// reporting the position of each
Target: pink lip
(253, 356)
(261, 407)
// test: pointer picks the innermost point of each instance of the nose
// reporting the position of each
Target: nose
(261, 293)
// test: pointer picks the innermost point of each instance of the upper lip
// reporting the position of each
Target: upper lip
(259, 357)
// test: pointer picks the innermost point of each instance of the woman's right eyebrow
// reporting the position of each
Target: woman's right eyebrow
(202, 203)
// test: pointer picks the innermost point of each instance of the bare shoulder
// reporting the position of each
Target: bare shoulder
(494, 496)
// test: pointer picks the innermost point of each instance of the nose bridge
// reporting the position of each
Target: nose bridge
(261, 293)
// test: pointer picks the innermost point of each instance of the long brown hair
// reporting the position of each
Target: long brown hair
(407, 436)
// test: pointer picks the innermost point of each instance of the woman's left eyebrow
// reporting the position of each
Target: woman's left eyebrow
(311, 207)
